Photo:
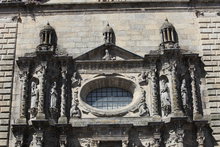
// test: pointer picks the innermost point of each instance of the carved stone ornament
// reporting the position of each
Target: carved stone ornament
(34, 95)
(172, 140)
(53, 96)
(143, 78)
(200, 137)
(24, 80)
(63, 140)
(76, 81)
(107, 56)
(142, 107)
(165, 97)
(34, 99)
(36, 141)
(19, 141)
(124, 143)
(53, 101)
(175, 138)
(74, 111)
(184, 94)
(86, 142)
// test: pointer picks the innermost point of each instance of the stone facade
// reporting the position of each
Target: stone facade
(170, 67)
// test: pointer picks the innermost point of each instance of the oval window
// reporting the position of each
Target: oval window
(109, 98)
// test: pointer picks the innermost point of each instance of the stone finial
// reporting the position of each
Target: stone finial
(109, 35)
(48, 38)
(168, 35)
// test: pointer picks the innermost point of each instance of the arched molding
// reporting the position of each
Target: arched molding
(110, 81)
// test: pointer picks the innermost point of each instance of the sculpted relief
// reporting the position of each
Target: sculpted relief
(34, 98)
(165, 96)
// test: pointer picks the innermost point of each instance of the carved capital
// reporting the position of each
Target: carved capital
(63, 140)
(200, 134)
(19, 140)
(124, 143)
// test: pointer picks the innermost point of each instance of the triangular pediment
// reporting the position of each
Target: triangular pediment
(108, 52)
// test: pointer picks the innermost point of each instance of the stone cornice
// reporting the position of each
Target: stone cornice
(148, 5)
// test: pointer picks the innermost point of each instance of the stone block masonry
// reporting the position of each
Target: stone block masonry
(7, 49)
(210, 43)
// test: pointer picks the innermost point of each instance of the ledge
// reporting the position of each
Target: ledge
(141, 121)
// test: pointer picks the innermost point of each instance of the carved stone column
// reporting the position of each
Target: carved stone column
(24, 83)
(176, 108)
(41, 114)
(196, 112)
(154, 83)
(63, 118)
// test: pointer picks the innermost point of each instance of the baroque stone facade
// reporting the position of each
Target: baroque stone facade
(109, 74)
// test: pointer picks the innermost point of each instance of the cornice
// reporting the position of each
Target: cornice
(96, 7)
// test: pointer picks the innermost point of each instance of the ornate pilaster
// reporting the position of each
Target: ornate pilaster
(176, 108)
(192, 70)
(154, 83)
(63, 118)
(24, 83)
(40, 114)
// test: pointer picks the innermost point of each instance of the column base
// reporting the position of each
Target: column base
(156, 117)
(21, 121)
(40, 115)
(62, 120)
(177, 114)
(197, 116)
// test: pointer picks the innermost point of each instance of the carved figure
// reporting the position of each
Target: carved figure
(34, 99)
(76, 81)
(142, 78)
(142, 107)
(34, 95)
(184, 94)
(74, 111)
(165, 98)
(107, 56)
(53, 96)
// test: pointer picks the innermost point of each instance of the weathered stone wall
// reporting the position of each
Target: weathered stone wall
(136, 32)
(8, 32)
(209, 25)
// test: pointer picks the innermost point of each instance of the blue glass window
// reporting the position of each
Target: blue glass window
(109, 98)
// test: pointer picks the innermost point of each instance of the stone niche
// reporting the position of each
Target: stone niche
(110, 96)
